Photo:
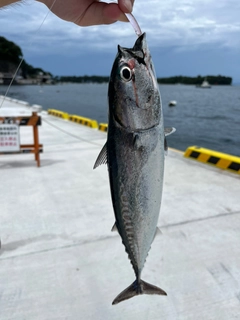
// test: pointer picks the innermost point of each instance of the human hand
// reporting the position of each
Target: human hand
(89, 12)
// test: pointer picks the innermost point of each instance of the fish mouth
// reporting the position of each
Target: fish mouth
(142, 55)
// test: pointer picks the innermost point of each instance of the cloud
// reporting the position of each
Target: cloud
(167, 22)
(172, 25)
(191, 22)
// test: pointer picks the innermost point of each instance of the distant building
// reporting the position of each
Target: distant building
(40, 78)
(5, 78)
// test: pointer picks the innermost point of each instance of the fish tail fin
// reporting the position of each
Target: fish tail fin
(137, 288)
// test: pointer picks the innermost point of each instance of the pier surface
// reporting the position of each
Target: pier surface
(60, 260)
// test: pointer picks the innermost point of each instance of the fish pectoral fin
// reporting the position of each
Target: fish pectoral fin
(102, 157)
(168, 131)
(142, 140)
(165, 147)
(137, 288)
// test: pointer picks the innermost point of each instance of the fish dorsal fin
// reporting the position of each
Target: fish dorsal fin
(168, 131)
(102, 157)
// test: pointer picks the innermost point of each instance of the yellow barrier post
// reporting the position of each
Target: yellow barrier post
(103, 127)
(74, 118)
(58, 113)
(84, 121)
(221, 160)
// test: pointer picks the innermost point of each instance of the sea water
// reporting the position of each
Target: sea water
(208, 118)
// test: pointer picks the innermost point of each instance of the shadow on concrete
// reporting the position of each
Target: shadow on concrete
(27, 164)
(12, 246)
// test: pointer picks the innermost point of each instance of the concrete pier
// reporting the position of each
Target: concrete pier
(60, 260)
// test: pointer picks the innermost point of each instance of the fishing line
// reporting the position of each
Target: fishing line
(21, 61)
(70, 134)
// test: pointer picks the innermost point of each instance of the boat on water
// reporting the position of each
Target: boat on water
(172, 103)
(205, 85)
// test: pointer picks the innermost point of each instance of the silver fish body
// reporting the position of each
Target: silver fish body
(134, 152)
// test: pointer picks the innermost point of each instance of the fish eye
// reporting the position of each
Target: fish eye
(126, 73)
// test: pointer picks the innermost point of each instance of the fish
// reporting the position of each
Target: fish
(134, 152)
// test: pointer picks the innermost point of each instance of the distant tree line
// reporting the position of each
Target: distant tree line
(9, 51)
(213, 80)
(10, 57)
(82, 79)
(30, 71)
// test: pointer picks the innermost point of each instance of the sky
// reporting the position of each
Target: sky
(185, 37)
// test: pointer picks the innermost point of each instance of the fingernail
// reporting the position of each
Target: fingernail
(128, 5)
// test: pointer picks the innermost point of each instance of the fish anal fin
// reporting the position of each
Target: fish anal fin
(102, 157)
(137, 288)
(114, 227)
(157, 232)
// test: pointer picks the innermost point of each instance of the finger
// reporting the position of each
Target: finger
(126, 5)
(101, 13)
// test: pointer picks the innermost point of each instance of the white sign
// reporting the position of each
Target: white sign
(9, 138)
